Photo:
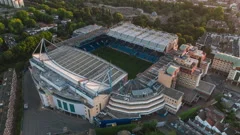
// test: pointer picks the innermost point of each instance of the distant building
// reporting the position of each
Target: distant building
(9, 40)
(227, 65)
(13, 3)
(42, 27)
(85, 30)
(210, 121)
(225, 43)
(213, 24)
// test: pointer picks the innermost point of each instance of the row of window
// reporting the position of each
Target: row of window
(64, 106)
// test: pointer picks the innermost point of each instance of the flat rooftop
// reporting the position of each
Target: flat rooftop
(175, 94)
(82, 67)
(205, 87)
(189, 94)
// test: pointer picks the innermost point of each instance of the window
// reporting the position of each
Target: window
(89, 115)
(72, 108)
(59, 103)
(65, 106)
(100, 106)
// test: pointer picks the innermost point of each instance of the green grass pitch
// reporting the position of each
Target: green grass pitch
(131, 64)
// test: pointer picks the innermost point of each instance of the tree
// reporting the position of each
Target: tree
(200, 31)
(181, 41)
(189, 39)
(8, 55)
(2, 27)
(218, 13)
(63, 13)
(22, 14)
(1, 41)
(149, 126)
(207, 50)
(117, 17)
(31, 9)
(15, 25)
(30, 23)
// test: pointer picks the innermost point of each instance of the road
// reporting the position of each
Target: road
(40, 121)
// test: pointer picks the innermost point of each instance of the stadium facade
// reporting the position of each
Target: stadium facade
(13, 3)
(74, 81)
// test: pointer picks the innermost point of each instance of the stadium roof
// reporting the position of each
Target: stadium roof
(87, 29)
(91, 72)
(151, 39)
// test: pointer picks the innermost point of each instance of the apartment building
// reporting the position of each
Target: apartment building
(13, 3)
(227, 65)
(74, 81)
(168, 75)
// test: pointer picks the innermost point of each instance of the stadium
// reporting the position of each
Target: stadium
(114, 70)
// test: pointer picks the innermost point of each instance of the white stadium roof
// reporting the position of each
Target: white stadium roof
(82, 68)
(154, 40)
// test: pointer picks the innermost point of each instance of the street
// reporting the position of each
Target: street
(40, 121)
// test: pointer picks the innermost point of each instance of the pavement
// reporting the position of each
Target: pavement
(41, 121)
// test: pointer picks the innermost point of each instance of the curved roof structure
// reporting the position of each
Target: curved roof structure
(82, 68)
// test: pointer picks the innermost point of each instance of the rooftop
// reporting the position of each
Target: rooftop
(151, 39)
(171, 69)
(89, 71)
(205, 87)
(87, 29)
(175, 94)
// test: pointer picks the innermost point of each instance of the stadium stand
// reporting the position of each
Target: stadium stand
(125, 47)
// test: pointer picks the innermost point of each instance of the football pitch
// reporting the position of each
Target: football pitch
(131, 64)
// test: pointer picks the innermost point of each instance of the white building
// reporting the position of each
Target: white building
(13, 3)
(74, 81)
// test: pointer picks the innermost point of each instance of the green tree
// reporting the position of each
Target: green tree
(15, 25)
(189, 39)
(30, 23)
(149, 126)
(2, 27)
(31, 9)
(199, 31)
(117, 17)
(181, 41)
(1, 41)
(8, 55)
(22, 14)
(218, 13)
(63, 13)
(207, 50)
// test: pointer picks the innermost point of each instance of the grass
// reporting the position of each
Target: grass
(130, 64)
(114, 130)
(189, 113)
